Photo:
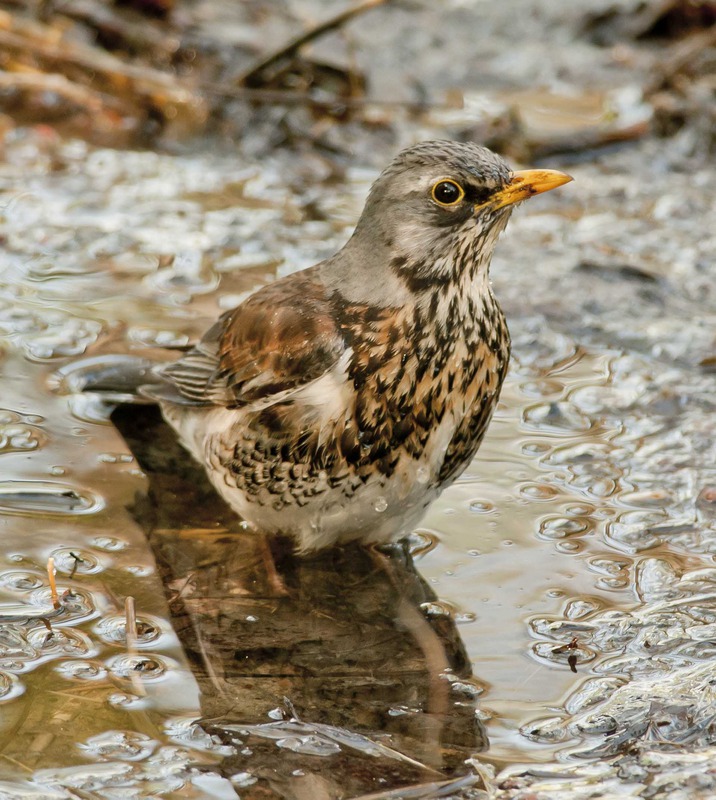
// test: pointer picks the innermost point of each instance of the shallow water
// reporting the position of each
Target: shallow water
(592, 494)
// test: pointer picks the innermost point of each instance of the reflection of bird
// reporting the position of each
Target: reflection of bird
(338, 402)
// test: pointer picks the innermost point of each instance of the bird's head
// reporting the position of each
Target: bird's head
(439, 207)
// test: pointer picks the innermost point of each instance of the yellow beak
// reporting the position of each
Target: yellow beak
(526, 183)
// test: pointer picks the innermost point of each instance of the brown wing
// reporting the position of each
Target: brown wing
(280, 338)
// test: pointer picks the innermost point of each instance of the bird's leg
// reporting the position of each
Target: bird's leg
(436, 661)
(273, 578)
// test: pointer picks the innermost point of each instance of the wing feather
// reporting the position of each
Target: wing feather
(281, 338)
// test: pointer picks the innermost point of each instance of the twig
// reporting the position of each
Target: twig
(50, 632)
(679, 55)
(288, 97)
(289, 49)
(130, 626)
(57, 84)
(53, 585)
(17, 763)
(77, 561)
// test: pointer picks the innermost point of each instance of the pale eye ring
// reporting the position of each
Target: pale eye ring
(447, 192)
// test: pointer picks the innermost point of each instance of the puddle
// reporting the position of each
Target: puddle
(582, 537)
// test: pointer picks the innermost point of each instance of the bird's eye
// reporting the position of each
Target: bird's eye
(447, 193)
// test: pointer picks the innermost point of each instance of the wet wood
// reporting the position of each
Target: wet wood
(343, 637)
(95, 85)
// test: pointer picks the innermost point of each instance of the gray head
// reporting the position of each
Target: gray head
(434, 214)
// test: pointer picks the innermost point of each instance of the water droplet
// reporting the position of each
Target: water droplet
(189, 733)
(559, 417)
(602, 487)
(242, 780)
(8, 417)
(76, 603)
(81, 670)
(561, 527)
(140, 570)
(20, 581)
(144, 666)
(581, 607)
(579, 509)
(535, 448)
(112, 629)
(115, 458)
(309, 745)
(17, 437)
(45, 497)
(560, 654)
(538, 491)
(121, 745)
(150, 337)
(421, 542)
(60, 642)
(436, 609)
(481, 507)
(654, 498)
(549, 730)
(380, 504)
(125, 700)
(607, 566)
(109, 543)
(613, 584)
(14, 645)
(583, 453)
(74, 561)
(10, 687)
(568, 546)
(541, 388)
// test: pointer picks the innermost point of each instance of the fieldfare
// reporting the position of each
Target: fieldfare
(338, 402)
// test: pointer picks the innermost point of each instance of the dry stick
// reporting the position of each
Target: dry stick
(679, 55)
(53, 586)
(144, 722)
(324, 27)
(130, 636)
(288, 97)
(130, 626)
(77, 561)
(50, 632)
(62, 86)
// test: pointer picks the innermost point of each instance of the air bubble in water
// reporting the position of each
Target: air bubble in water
(121, 745)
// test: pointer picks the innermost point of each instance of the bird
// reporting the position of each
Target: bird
(335, 404)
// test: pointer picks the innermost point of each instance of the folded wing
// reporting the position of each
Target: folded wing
(260, 352)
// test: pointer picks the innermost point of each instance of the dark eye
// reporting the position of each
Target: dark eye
(447, 193)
